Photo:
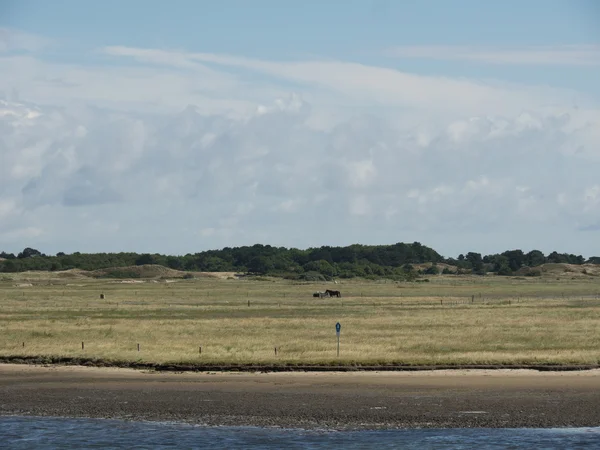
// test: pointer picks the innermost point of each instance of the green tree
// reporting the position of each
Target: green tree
(260, 265)
(28, 253)
(535, 258)
(476, 262)
(174, 263)
(321, 266)
(516, 259)
(144, 258)
(501, 265)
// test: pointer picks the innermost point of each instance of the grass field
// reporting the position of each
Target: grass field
(449, 320)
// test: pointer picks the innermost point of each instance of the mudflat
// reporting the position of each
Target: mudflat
(346, 400)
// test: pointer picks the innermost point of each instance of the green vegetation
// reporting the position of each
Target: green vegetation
(399, 262)
(240, 320)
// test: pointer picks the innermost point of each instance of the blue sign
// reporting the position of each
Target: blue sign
(338, 327)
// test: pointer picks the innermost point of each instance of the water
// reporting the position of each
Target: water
(51, 433)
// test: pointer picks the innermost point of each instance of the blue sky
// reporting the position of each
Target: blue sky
(273, 28)
(435, 117)
(360, 31)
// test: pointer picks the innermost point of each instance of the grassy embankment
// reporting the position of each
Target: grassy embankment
(548, 320)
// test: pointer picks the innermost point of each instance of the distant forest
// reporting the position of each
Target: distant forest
(398, 261)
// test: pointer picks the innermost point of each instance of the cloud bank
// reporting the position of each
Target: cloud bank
(178, 152)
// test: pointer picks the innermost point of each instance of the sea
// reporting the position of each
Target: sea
(61, 433)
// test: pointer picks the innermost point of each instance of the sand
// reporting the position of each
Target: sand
(344, 400)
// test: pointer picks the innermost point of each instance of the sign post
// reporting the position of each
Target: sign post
(338, 327)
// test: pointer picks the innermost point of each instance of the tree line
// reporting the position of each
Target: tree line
(395, 261)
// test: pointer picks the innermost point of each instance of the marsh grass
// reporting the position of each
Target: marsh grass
(450, 320)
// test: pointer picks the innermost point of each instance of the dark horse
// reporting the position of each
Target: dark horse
(333, 293)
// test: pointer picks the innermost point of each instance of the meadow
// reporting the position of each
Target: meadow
(207, 320)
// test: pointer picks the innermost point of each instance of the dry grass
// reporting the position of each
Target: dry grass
(450, 320)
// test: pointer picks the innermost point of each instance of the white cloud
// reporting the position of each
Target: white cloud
(8, 207)
(151, 80)
(123, 88)
(14, 40)
(176, 152)
(22, 233)
(362, 83)
(133, 177)
(361, 173)
(359, 206)
(207, 232)
(290, 205)
(591, 198)
(559, 55)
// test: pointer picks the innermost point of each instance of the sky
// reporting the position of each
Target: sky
(176, 127)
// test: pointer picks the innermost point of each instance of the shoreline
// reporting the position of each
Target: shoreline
(456, 398)
(282, 367)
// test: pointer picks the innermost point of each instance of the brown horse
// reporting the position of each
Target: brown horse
(333, 293)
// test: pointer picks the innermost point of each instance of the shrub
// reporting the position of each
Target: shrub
(533, 273)
(120, 273)
(260, 278)
(312, 276)
(504, 271)
(432, 270)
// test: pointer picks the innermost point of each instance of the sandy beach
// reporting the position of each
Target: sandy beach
(358, 400)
